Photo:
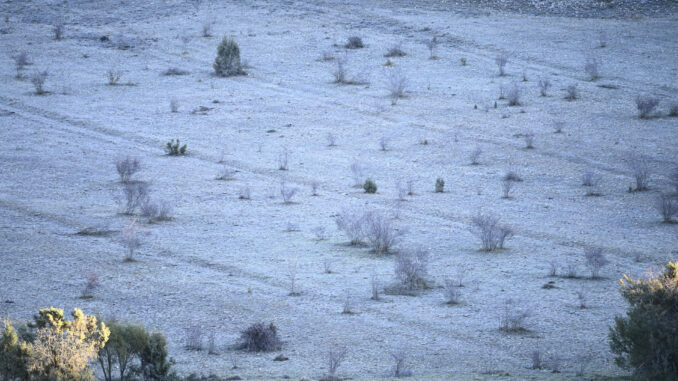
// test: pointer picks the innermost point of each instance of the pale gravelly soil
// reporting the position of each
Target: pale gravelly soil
(223, 262)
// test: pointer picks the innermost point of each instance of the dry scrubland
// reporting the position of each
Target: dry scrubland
(222, 262)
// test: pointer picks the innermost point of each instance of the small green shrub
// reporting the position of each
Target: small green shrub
(227, 63)
(646, 340)
(370, 186)
(174, 148)
(440, 185)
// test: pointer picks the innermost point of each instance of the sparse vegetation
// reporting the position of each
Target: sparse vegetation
(411, 269)
(646, 106)
(640, 169)
(127, 167)
(380, 232)
(513, 95)
(395, 51)
(492, 234)
(544, 85)
(592, 68)
(260, 337)
(595, 260)
(397, 83)
(174, 148)
(432, 45)
(38, 80)
(513, 317)
(667, 205)
(571, 92)
(58, 31)
(501, 60)
(354, 42)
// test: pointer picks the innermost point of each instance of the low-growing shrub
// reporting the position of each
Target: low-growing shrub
(646, 105)
(370, 186)
(174, 71)
(58, 31)
(592, 68)
(640, 169)
(352, 223)
(667, 206)
(397, 83)
(354, 42)
(474, 156)
(452, 292)
(513, 96)
(38, 80)
(595, 260)
(135, 193)
(501, 60)
(513, 317)
(174, 148)
(400, 368)
(228, 63)
(571, 92)
(440, 185)
(492, 234)
(260, 337)
(395, 51)
(644, 340)
(411, 269)
(544, 84)
(380, 232)
(127, 167)
(432, 45)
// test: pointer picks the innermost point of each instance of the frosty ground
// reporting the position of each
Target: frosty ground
(223, 263)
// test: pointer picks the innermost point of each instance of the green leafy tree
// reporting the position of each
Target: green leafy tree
(126, 342)
(13, 354)
(154, 361)
(646, 339)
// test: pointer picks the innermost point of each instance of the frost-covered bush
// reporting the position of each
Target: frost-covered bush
(227, 63)
(646, 105)
(260, 337)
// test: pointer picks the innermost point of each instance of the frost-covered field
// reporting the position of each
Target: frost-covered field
(223, 263)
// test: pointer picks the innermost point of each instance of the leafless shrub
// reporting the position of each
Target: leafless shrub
(283, 159)
(327, 56)
(646, 105)
(502, 93)
(640, 168)
(513, 317)
(260, 337)
(525, 76)
(491, 233)
(194, 337)
(291, 227)
(591, 180)
(320, 233)
(571, 271)
(581, 298)
(135, 193)
(292, 267)
(553, 269)
(374, 285)
(673, 109)
(155, 211)
(474, 156)
(339, 72)
(335, 357)
(58, 31)
(410, 187)
(91, 284)
(174, 105)
(402, 192)
(358, 174)
(244, 193)
(602, 39)
(127, 167)
(501, 60)
(595, 260)
(287, 192)
(211, 346)
(537, 359)
(582, 361)
(592, 68)
(432, 45)
(384, 143)
(174, 71)
(452, 293)
(397, 83)
(38, 80)
(354, 42)
(512, 175)
(20, 62)
(327, 266)
(513, 96)
(571, 92)
(529, 140)
(226, 174)
(506, 186)
(544, 85)
(347, 310)
(130, 240)
(314, 187)
(400, 369)
(411, 269)
(395, 51)
(331, 139)
(207, 29)
(380, 233)
(113, 77)
(352, 223)
(667, 206)
(558, 127)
